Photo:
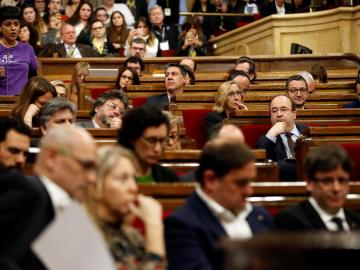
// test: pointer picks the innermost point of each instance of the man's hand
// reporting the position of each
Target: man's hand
(277, 129)
(115, 122)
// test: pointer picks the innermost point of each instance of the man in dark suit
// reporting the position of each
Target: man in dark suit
(327, 170)
(279, 141)
(69, 48)
(218, 209)
(175, 81)
(276, 7)
(14, 143)
(64, 168)
(108, 110)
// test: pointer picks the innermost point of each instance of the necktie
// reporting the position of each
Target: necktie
(70, 52)
(291, 144)
(339, 223)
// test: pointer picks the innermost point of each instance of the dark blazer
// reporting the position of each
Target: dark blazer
(270, 8)
(86, 124)
(85, 50)
(171, 33)
(140, 8)
(192, 234)
(354, 104)
(162, 174)
(304, 217)
(25, 210)
(212, 119)
(160, 101)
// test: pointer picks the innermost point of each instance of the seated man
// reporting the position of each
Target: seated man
(247, 65)
(108, 110)
(58, 111)
(189, 62)
(217, 209)
(279, 141)
(175, 81)
(241, 78)
(279, 7)
(137, 48)
(327, 169)
(297, 91)
(137, 63)
(311, 83)
(14, 143)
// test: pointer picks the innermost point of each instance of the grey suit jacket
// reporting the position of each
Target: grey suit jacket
(86, 124)
(85, 50)
(160, 101)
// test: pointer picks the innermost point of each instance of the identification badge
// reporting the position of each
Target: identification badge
(167, 11)
(164, 46)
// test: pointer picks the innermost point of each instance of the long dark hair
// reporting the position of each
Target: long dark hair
(115, 36)
(75, 18)
(136, 80)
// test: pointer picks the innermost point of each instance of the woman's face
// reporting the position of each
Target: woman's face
(98, 30)
(173, 138)
(10, 29)
(81, 76)
(126, 79)
(85, 12)
(61, 91)
(29, 15)
(43, 99)
(233, 98)
(117, 20)
(142, 29)
(101, 15)
(119, 187)
(24, 35)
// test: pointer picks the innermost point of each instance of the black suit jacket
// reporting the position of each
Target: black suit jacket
(162, 174)
(304, 217)
(140, 6)
(85, 50)
(212, 119)
(270, 8)
(171, 34)
(160, 101)
(25, 210)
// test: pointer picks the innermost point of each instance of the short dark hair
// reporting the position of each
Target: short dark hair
(295, 78)
(293, 105)
(13, 123)
(190, 74)
(234, 73)
(222, 156)
(138, 40)
(52, 106)
(319, 73)
(9, 13)
(251, 62)
(135, 81)
(135, 60)
(326, 158)
(109, 95)
(137, 120)
(180, 67)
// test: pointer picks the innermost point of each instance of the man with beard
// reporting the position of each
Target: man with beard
(297, 91)
(14, 143)
(175, 81)
(279, 141)
(108, 110)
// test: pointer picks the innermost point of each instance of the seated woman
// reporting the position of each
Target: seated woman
(37, 92)
(100, 45)
(117, 31)
(80, 72)
(192, 41)
(115, 202)
(173, 141)
(126, 76)
(53, 36)
(61, 89)
(32, 16)
(28, 35)
(81, 21)
(142, 30)
(355, 103)
(229, 99)
(145, 131)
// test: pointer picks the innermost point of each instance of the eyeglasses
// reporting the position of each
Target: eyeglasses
(327, 181)
(295, 90)
(237, 93)
(114, 107)
(152, 141)
(282, 110)
(126, 77)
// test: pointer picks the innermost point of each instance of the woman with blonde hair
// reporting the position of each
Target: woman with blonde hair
(61, 89)
(115, 202)
(173, 140)
(80, 72)
(36, 92)
(229, 99)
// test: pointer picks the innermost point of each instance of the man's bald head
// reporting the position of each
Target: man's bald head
(227, 131)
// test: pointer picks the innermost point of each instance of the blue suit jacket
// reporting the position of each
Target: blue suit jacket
(160, 101)
(192, 234)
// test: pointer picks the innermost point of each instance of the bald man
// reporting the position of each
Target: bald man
(65, 167)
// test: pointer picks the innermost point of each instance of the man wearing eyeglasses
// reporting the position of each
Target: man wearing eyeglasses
(279, 141)
(297, 90)
(327, 169)
(217, 209)
(137, 48)
(65, 167)
(108, 110)
(14, 143)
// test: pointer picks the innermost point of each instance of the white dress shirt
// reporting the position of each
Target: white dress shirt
(280, 10)
(236, 226)
(326, 217)
(76, 53)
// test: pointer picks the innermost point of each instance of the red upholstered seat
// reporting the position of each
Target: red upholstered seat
(96, 92)
(253, 132)
(353, 149)
(195, 126)
(139, 101)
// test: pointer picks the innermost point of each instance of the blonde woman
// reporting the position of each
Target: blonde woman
(173, 142)
(115, 202)
(80, 72)
(229, 99)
